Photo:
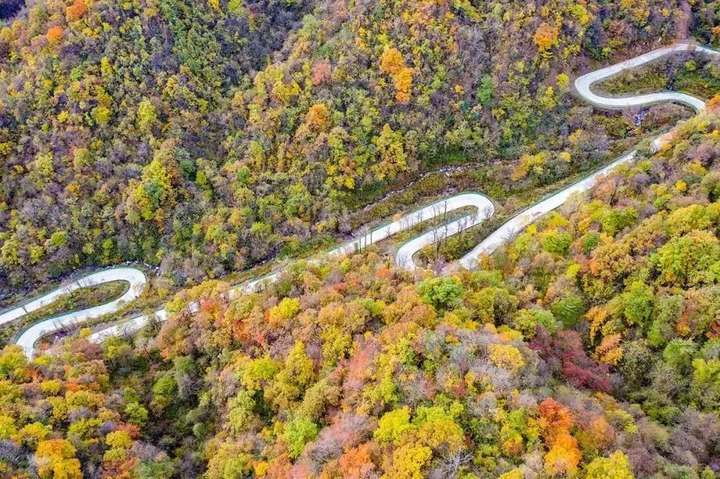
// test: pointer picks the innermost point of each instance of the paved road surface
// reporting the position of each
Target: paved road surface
(584, 84)
(136, 284)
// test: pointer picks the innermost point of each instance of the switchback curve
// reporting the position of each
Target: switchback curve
(483, 206)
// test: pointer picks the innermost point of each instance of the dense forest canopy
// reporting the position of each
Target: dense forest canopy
(206, 137)
(587, 347)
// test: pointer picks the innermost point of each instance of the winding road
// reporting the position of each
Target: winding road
(483, 208)
(584, 84)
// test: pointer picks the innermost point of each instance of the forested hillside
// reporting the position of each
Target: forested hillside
(205, 138)
(588, 347)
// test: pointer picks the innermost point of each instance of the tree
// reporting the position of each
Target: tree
(705, 385)
(546, 36)
(163, 391)
(228, 461)
(688, 260)
(55, 35)
(76, 11)
(295, 377)
(55, 459)
(557, 242)
(146, 115)
(616, 466)
(555, 418)
(528, 320)
(563, 457)
(408, 462)
(403, 81)
(318, 117)
(392, 62)
(356, 463)
(492, 304)
(299, 432)
(679, 353)
(393, 425)
(555, 422)
(568, 309)
(516, 473)
(257, 373)
(565, 351)
(391, 154)
(441, 293)
(637, 303)
(13, 362)
(285, 310)
(635, 364)
(150, 198)
(322, 72)
(506, 356)
(437, 428)
(485, 90)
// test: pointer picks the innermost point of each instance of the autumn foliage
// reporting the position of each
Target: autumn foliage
(204, 139)
(392, 63)
(546, 36)
(76, 11)
(55, 34)
(262, 168)
(555, 423)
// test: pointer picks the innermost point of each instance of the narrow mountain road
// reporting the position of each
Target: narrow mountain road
(136, 284)
(584, 84)
(510, 229)
(482, 205)
(134, 277)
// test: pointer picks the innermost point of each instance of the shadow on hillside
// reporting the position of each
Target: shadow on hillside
(8, 8)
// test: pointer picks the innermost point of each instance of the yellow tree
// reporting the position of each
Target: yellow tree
(408, 462)
(546, 36)
(392, 63)
(616, 466)
(391, 150)
(318, 117)
(55, 459)
(555, 422)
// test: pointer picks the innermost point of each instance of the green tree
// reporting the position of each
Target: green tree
(568, 309)
(689, 259)
(441, 293)
(679, 353)
(299, 432)
(705, 385)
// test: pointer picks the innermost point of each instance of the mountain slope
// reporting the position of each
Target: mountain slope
(208, 138)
